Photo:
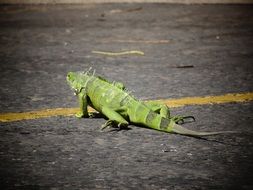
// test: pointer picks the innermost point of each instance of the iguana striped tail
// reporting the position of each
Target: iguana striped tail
(162, 122)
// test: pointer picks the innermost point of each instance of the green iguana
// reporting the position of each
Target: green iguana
(115, 102)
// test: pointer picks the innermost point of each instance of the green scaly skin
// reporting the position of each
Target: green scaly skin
(113, 101)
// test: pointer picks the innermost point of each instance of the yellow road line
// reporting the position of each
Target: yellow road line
(222, 99)
(227, 98)
(9, 117)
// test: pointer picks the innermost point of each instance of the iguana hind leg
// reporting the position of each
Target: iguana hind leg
(115, 119)
(164, 111)
(161, 109)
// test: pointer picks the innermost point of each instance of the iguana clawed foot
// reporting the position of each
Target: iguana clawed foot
(79, 115)
(114, 124)
(183, 119)
(95, 115)
(90, 115)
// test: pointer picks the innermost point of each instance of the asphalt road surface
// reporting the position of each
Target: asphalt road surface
(190, 50)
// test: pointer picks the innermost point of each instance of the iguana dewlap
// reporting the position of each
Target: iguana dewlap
(114, 101)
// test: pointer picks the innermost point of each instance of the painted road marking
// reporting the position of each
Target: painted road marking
(138, 41)
(119, 53)
(227, 98)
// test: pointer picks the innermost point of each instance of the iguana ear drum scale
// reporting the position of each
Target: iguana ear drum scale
(114, 101)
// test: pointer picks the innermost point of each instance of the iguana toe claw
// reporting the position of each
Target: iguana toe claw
(183, 119)
(122, 126)
(79, 115)
(95, 115)
(108, 123)
(92, 115)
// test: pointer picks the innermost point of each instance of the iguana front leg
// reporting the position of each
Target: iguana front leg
(83, 104)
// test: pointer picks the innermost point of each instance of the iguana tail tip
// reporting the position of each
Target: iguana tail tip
(183, 131)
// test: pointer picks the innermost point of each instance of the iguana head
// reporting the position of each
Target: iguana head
(78, 80)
